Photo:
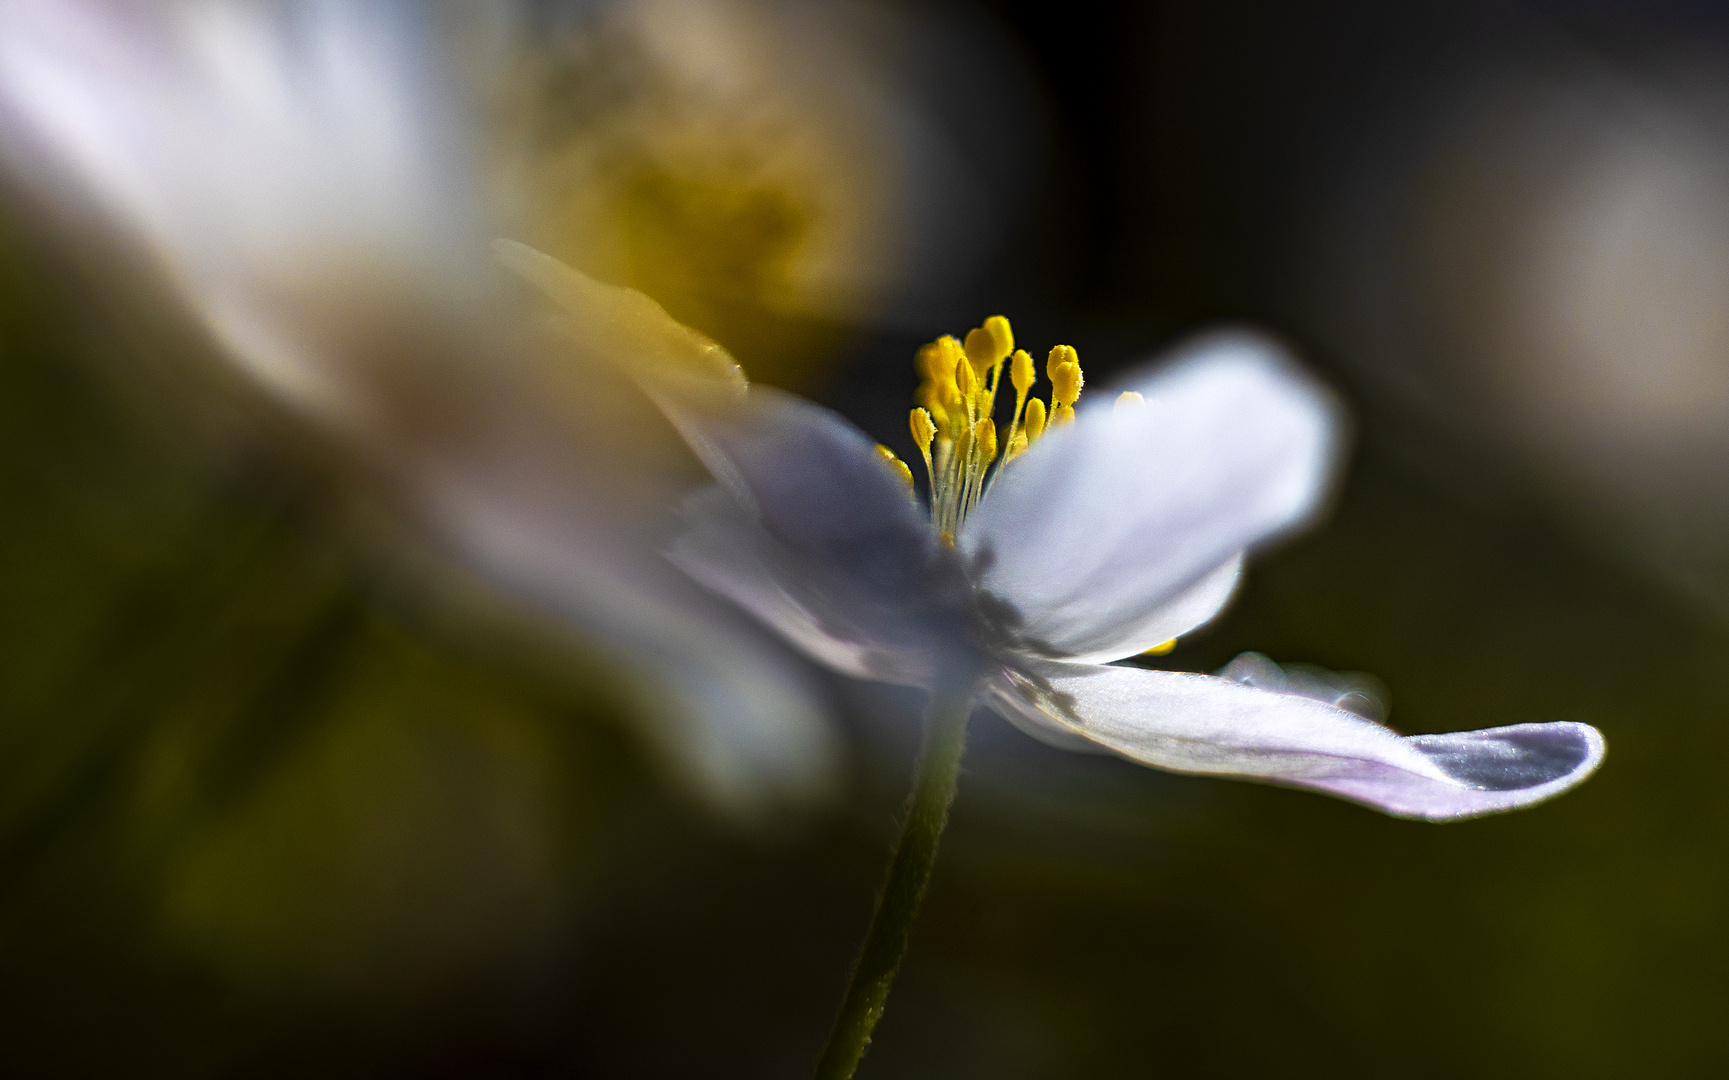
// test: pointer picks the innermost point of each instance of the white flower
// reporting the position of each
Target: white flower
(1108, 537)
(303, 179)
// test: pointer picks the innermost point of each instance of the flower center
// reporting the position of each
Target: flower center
(955, 422)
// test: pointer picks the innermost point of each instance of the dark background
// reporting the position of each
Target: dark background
(207, 684)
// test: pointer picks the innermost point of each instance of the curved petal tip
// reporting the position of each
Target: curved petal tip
(1499, 769)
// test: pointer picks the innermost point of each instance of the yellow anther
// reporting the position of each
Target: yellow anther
(930, 399)
(937, 360)
(932, 363)
(965, 381)
(1128, 399)
(1066, 384)
(924, 430)
(981, 349)
(1160, 650)
(1034, 425)
(899, 465)
(1060, 355)
(985, 435)
(1021, 372)
(954, 425)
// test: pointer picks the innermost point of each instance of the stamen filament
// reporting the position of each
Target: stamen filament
(1022, 375)
(924, 429)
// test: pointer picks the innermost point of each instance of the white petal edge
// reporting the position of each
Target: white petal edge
(1185, 722)
(1106, 522)
(1191, 609)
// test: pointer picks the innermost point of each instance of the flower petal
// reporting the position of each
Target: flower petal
(656, 347)
(304, 178)
(817, 536)
(728, 552)
(1187, 722)
(1121, 531)
(270, 160)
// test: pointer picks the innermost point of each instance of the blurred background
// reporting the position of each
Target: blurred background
(306, 769)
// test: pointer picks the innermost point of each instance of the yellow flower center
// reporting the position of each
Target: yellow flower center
(955, 424)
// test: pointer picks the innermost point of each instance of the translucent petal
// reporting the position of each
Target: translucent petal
(642, 336)
(727, 551)
(268, 162)
(1008, 697)
(1121, 531)
(1201, 724)
(731, 715)
(1129, 633)
(1353, 691)
(820, 538)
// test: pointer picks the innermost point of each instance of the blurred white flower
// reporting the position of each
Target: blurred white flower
(307, 179)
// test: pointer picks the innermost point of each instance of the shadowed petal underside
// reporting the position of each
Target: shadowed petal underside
(821, 532)
(728, 552)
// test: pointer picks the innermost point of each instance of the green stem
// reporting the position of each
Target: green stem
(927, 812)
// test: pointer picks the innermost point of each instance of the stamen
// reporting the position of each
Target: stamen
(955, 427)
(985, 435)
(1021, 372)
(966, 381)
(1065, 389)
(952, 353)
(1128, 399)
(984, 452)
(900, 466)
(1066, 385)
(948, 513)
(924, 431)
(931, 364)
(1161, 649)
(981, 349)
(1059, 355)
(929, 398)
(1035, 424)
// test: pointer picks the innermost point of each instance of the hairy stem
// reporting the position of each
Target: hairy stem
(927, 812)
